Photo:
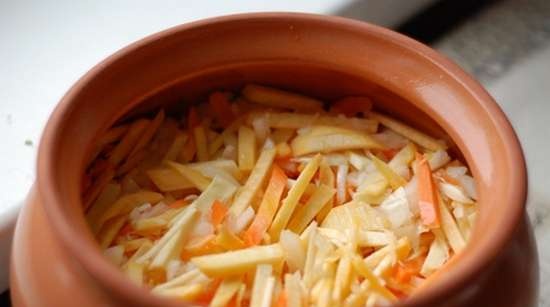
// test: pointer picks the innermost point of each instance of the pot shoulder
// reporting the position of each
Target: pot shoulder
(42, 273)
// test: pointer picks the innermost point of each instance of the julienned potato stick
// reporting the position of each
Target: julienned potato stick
(310, 142)
(292, 121)
(294, 194)
(247, 149)
(254, 181)
(128, 142)
(149, 132)
(197, 179)
(272, 97)
(272, 198)
(239, 261)
(409, 132)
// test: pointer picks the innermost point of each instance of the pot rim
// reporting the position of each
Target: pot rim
(95, 265)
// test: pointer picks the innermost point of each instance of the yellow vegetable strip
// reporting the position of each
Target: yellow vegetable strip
(394, 179)
(215, 145)
(128, 202)
(262, 289)
(295, 253)
(272, 97)
(130, 139)
(282, 135)
(201, 143)
(254, 181)
(227, 289)
(246, 148)
(310, 255)
(186, 216)
(307, 212)
(450, 228)
(141, 251)
(237, 262)
(149, 133)
(402, 248)
(176, 147)
(184, 293)
(107, 197)
(361, 268)
(437, 255)
(283, 150)
(179, 281)
(342, 279)
(99, 184)
(173, 247)
(293, 290)
(135, 244)
(168, 179)
(228, 240)
(220, 139)
(292, 198)
(109, 231)
(409, 132)
(326, 177)
(403, 158)
(309, 143)
(134, 271)
(219, 189)
(228, 166)
(286, 120)
(195, 177)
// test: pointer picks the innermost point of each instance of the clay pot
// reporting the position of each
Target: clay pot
(56, 261)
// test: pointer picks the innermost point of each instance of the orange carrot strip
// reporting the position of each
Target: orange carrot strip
(180, 203)
(268, 207)
(221, 108)
(190, 148)
(281, 299)
(427, 197)
(219, 211)
(389, 153)
(209, 292)
(350, 106)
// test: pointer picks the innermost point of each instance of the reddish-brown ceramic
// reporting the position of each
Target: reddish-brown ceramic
(56, 261)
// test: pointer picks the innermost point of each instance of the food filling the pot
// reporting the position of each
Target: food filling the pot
(271, 198)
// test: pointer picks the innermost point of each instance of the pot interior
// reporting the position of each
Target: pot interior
(310, 55)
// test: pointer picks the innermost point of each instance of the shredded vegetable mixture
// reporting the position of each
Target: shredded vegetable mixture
(267, 198)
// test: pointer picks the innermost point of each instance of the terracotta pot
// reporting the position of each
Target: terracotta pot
(56, 261)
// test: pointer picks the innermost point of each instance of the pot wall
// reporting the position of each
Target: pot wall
(322, 56)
